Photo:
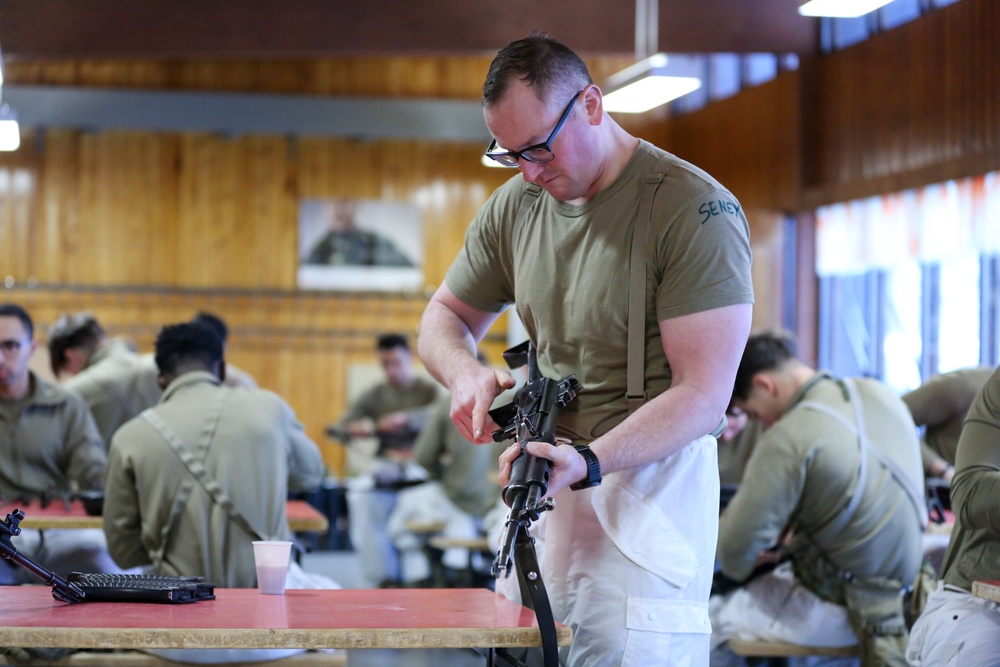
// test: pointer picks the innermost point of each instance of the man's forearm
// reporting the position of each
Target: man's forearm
(658, 429)
(445, 343)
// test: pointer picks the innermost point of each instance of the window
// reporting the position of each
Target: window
(910, 282)
(958, 322)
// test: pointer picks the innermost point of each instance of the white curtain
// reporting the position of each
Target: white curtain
(931, 224)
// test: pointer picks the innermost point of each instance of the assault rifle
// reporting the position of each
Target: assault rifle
(531, 417)
(62, 590)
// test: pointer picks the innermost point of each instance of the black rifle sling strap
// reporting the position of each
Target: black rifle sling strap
(193, 461)
(535, 597)
(635, 381)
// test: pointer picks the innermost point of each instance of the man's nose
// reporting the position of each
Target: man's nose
(530, 170)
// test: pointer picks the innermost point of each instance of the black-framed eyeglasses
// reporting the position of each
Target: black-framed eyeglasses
(540, 153)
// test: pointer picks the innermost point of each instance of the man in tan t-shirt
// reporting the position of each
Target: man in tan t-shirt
(627, 553)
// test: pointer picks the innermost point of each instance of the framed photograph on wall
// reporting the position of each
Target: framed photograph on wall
(360, 244)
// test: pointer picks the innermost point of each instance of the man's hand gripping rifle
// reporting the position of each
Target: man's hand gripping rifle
(531, 417)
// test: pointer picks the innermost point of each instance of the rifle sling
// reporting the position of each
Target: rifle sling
(192, 460)
(534, 596)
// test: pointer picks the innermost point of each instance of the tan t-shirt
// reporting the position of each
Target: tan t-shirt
(940, 405)
(567, 270)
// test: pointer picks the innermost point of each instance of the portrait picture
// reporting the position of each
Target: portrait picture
(360, 244)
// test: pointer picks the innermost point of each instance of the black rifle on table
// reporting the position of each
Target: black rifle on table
(531, 417)
(61, 589)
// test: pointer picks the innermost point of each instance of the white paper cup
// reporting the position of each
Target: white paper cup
(271, 558)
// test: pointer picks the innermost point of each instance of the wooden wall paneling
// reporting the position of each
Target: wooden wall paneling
(766, 243)
(127, 208)
(910, 107)
(18, 213)
(60, 240)
(426, 76)
(750, 143)
(234, 223)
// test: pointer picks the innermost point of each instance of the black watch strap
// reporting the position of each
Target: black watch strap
(593, 477)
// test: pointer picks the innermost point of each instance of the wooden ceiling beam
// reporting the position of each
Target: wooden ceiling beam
(151, 29)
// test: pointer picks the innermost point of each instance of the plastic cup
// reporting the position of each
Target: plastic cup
(271, 558)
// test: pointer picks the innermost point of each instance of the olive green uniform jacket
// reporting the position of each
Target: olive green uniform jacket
(257, 453)
(48, 444)
(802, 472)
(117, 384)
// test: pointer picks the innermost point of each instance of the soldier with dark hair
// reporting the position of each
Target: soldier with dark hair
(235, 377)
(393, 412)
(49, 445)
(592, 216)
(114, 381)
(838, 468)
(248, 442)
(163, 511)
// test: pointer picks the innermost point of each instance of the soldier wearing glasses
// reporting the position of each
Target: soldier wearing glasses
(49, 446)
(627, 561)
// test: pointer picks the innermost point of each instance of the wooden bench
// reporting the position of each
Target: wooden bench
(758, 648)
(140, 659)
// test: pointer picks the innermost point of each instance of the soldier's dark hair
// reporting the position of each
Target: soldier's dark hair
(765, 351)
(14, 310)
(391, 341)
(546, 65)
(72, 331)
(181, 344)
(214, 322)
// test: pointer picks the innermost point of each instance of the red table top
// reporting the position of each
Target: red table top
(301, 516)
(245, 618)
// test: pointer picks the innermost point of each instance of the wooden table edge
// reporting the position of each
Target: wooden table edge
(308, 638)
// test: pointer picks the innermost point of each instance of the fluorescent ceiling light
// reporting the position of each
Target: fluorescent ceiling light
(840, 8)
(651, 82)
(10, 136)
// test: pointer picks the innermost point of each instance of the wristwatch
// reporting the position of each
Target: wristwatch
(593, 477)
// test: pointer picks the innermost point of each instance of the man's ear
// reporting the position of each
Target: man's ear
(162, 380)
(74, 361)
(593, 104)
(766, 382)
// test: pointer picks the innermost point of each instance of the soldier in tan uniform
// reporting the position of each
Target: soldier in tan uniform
(48, 445)
(956, 627)
(736, 445)
(197, 478)
(940, 406)
(157, 510)
(839, 464)
(115, 381)
(393, 411)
